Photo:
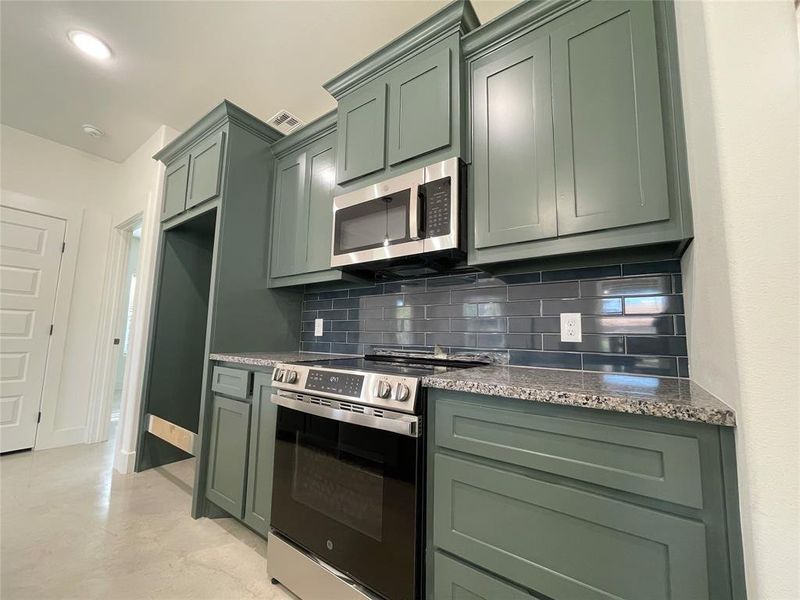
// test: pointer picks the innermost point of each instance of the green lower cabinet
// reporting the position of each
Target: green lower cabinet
(457, 581)
(261, 456)
(227, 460)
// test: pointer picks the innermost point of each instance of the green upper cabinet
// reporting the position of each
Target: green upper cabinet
(576, 132)
(514, 179)
(402, 107)
(362, 118)
(303, 206)
(610, 164)
(419, 104)
(176, 180)
(205, 170)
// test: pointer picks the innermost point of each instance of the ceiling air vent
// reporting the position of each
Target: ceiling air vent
(284, 121)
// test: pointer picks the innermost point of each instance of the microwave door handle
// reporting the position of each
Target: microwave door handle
(416, 212)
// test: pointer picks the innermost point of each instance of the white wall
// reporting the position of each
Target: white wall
(739, 70)
(109, 193)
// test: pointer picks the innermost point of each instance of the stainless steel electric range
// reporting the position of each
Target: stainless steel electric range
(348, 495)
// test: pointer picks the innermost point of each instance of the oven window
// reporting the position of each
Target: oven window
(346, 488)
(373, 224)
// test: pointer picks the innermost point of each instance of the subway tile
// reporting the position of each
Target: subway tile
(501, 309)
(318, 305)
(411, 286)
(362, 337)
(333, 315)
(582, 273)
(585, 306)
(365, 313)
(308, 315)
(381, 301)
(473, 296)
(327, 336)
(451, 310)
(590, 343)
(534, 324)
(641, 365)
(504, 341)
(627, 286)
(451, 282)
(333, 294)
(654, 305)
(466, 340)
(346, 302)
(544, 290)
(310, 296)
(428, 298)
(683, 366)
(662, 345)
(677, 284)
(486, 280)
(495, 324)
(346, 348)
(307, 326)
(647, 268)
(404, 338)
(345, 325)
(366, 291)
(315, 346)
(405, 312)
(643, 324)
(680, 324)
(553, 360)
(407, 325)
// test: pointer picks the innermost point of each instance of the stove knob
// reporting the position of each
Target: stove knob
(290, 377)
(383, 389)
(401, 392)
(279, 374)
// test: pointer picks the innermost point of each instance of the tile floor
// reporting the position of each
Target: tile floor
(72, 528)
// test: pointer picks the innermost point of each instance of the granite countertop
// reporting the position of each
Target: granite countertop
(270, 359)
(678, 399)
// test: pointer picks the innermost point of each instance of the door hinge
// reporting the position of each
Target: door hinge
(63, 247)
(39, 417)
(51, 329)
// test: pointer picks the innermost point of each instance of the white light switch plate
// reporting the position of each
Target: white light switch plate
(571, 327)
(318, 327)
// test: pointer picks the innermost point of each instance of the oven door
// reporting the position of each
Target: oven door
(378, 222)
(352, 496)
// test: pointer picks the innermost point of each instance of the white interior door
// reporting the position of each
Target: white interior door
(30, 259)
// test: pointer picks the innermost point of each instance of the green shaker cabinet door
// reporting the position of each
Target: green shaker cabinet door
(262, 451)
(419, 105)
(562, 542)
(362, 132)
(321, 173)
(205, 173)
(453, 580)
(609, 138)
(227, 459)
(291, 214)
(176, 179)
(513, 157)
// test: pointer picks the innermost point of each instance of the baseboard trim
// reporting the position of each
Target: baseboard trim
(124, 462)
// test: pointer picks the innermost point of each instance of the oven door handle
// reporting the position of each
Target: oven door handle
(408, 425)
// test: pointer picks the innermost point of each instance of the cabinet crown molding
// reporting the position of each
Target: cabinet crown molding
(458, 16)
(225, 112)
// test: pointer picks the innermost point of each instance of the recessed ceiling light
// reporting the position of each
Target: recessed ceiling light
(89, 44)
(91, 130)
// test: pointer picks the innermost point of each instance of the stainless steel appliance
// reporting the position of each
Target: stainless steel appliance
(416, 213)
(348, 513)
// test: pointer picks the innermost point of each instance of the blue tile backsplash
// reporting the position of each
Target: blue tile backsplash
(632, 317)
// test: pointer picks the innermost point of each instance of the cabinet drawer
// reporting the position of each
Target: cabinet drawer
(231, 382)
(453, 580)
(648, 463)
(562, 542)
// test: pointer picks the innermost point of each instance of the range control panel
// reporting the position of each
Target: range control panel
(342, 384)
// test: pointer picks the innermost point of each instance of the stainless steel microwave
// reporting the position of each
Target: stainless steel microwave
(412, 214)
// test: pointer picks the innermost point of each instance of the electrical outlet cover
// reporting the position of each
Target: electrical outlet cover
(571, 327)
(318, 327)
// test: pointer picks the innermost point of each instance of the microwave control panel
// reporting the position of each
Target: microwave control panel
(437, 207)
